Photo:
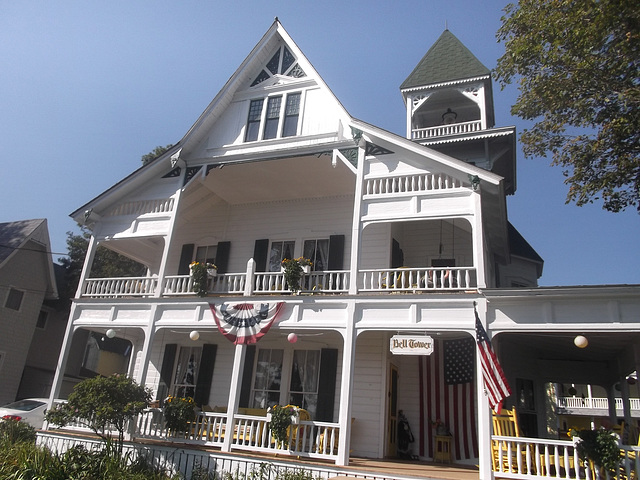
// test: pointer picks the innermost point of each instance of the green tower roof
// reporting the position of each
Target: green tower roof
(447, 60)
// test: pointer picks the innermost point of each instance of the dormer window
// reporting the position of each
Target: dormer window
(267, 119)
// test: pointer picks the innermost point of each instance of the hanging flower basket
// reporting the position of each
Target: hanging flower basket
(293, 269)
(199, 273)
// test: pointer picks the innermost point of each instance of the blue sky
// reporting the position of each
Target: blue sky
(88, 87)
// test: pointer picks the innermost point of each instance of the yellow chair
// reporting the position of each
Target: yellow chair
(505, 424)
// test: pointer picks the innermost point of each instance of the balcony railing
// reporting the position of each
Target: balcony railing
(579, 403)
(315, 282)
(423, 182)
(444, 130)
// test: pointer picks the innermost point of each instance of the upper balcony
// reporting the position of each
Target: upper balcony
(445, 130)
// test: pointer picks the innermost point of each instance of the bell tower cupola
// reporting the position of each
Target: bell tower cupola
(449, 107)
(448, 92)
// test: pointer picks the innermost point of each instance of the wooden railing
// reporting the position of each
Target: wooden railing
(578, 403)
(119, 287)
(534, 458)
(423, 182)
(444, 130)
(250, 433)
(260, 283)
(416, 279)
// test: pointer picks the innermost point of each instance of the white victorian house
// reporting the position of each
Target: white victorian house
(408, 239)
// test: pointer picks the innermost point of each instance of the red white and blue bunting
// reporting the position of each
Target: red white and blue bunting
(245, 323)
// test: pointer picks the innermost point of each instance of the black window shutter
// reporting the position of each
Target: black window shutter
(247, 376)
(166, 371)
(260, 254)
(185, 258)
(336, 252)
(222, 256)
(205, 375)
(327, 384)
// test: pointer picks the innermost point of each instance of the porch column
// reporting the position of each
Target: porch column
(477, 239)
(58, 377)
(168, 239)
(356, 228)
(626, 409)
(346, 388)
(234, 394)
(149, 333)
(484, 411)
(611, 400)
(88, 262)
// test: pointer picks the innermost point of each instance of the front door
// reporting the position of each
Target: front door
(392, 412)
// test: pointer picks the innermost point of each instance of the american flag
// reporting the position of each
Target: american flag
(495, 383)
(453, 404)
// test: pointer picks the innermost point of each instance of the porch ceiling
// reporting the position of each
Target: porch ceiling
(608, 356)
(280, 179)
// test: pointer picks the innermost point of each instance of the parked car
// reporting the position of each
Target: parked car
(30, 410)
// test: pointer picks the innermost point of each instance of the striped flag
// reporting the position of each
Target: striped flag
(495, 383)
(454, 405)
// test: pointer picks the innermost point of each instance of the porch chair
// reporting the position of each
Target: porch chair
(505, 424)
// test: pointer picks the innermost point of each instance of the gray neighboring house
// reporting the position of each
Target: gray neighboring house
(27, 281)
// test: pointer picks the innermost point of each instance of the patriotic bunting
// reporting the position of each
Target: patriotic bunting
(245, 323)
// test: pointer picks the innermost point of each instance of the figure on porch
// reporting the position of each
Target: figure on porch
(405, 438)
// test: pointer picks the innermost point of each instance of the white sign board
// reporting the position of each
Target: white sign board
(411, 345)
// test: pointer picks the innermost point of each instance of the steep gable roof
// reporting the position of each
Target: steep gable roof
(14, 234)
(447, 60)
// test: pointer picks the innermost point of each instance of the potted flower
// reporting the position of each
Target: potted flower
(293, 269)
(280, 419)
(178, 412)
(200, 273)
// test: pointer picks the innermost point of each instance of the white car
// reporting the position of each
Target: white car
(30, 410)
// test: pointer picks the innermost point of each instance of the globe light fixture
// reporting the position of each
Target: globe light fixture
(292, 337)
(581, 341)
(194, 335)
(111, 333)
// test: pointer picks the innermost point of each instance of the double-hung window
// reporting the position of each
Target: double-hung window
(268, 120)
(266, 384)
(253, 122)
(305, 373)
(186, 372)
(206, 254)
(279, 251)
(318, 252)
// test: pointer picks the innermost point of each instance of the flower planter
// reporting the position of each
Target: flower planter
(212, 272)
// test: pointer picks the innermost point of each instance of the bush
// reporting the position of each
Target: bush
(178, 412)
(14, 431)
(102, 403)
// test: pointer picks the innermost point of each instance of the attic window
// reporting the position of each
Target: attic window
(268, 119)
(283, 62)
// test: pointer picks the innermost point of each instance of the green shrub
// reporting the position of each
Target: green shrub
(178, 412)
(14, 431)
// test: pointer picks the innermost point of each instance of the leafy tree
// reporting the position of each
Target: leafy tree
(155, 153)
(106, 263)
(102, 403)
(577, 64)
